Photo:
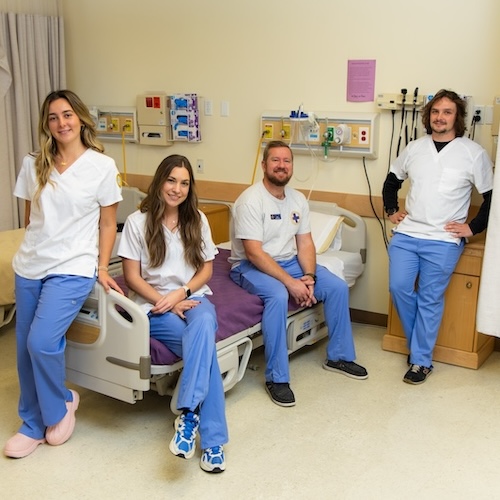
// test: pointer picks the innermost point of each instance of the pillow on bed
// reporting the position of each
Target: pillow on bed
(325, 230)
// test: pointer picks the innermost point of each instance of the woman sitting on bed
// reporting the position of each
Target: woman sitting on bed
(167, 252)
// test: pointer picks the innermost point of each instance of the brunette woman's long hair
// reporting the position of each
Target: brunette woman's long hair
(189, 222)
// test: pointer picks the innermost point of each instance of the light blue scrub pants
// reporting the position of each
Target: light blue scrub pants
(329, 289)
(45, 310)
(193, 340)
(419, 273)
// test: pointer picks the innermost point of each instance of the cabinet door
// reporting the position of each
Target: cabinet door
(459, 319)
(218, 218)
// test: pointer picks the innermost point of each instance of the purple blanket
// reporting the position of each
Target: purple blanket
(236, 309)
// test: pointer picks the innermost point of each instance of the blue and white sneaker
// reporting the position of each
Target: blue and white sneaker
(183, 443)
(212, 460)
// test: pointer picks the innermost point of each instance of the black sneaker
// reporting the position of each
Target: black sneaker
(280, 393)
(347, 368)
(417, 374)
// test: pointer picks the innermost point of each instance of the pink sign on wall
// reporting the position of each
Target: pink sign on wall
(361, 80)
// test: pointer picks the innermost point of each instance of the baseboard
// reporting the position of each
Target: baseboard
(368, 318)
(377, 319)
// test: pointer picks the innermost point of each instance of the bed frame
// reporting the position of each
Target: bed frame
(108, 345)
(9, 243)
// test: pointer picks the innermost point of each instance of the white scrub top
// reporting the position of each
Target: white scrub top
(175, 271)
(62, 236)
(440, 185)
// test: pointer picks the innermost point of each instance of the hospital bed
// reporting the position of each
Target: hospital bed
(109, 349)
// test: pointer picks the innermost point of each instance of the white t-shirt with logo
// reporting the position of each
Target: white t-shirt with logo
(260, 216)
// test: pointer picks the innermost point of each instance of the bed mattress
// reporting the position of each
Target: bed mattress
(237, 310)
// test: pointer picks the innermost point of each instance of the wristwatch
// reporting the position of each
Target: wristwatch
(187, 290)
(390, 211)
(312, 275)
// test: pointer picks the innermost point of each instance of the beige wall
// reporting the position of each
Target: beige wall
(275, 54)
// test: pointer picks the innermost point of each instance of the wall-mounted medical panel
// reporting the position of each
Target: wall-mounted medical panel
(328, 133)
(398, 102)
(115, 122)
(153, 116)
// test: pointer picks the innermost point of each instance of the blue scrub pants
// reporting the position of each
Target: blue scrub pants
(329, 289)
(45, 309)
(193, 340)
(419, 273)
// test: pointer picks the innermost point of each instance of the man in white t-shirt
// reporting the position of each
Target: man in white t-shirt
(429, 236)
(274, 257)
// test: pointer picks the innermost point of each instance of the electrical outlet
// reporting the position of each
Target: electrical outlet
(478, 114)
(199, 166)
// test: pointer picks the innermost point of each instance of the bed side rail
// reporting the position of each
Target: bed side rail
(107, 352)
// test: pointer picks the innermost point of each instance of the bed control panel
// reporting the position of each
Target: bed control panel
(89, 312)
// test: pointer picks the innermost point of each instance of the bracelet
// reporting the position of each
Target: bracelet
(102, 268)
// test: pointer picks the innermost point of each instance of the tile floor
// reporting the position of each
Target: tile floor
(345, 439)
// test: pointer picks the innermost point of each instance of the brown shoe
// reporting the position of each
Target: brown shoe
(20, 446)
(59, 433)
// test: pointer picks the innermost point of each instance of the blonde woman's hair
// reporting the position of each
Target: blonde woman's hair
(45, 159)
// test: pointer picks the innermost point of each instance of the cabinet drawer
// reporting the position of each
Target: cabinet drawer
(469, 264)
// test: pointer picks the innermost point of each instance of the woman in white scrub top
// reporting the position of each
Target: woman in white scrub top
(168, 252)
(72, 192)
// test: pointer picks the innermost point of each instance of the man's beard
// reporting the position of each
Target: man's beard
(436, 128)
(277, 182)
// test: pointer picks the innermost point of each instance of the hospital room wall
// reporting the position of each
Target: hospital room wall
(261, 55)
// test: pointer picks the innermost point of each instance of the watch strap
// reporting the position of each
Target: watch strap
(312, 275)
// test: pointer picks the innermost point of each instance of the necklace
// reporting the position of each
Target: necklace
(61, 161)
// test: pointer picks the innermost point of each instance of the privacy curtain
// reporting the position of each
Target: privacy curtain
(32, 63)
(488, 308)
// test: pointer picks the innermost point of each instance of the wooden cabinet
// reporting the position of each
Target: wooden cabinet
(218, 218)
(458, 342)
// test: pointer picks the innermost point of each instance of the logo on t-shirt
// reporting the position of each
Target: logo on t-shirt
(275, 216)
(295, 217)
